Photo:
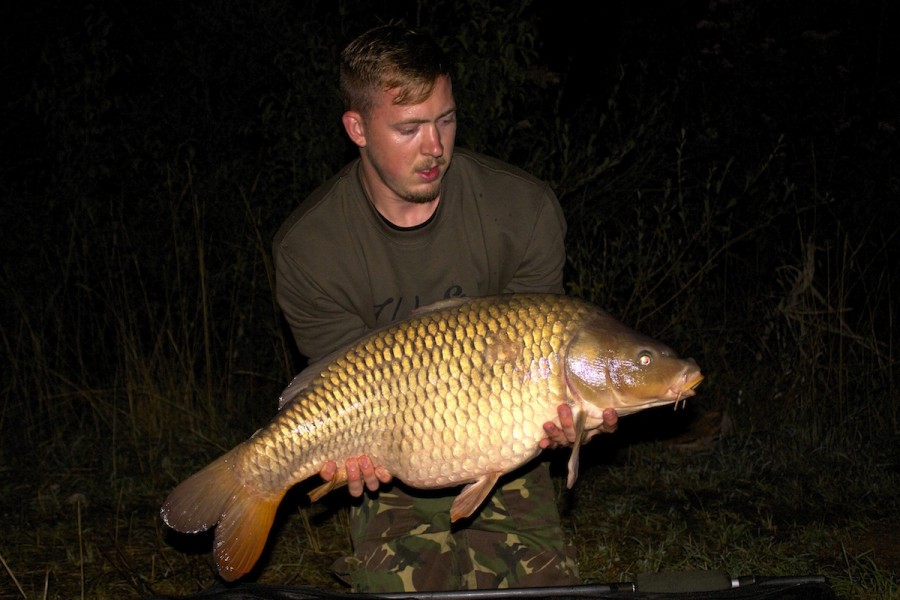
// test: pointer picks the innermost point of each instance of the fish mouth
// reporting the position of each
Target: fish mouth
(686, 386)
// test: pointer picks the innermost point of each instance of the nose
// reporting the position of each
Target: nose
(431, 141)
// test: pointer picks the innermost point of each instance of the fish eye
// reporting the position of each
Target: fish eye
(644, 358)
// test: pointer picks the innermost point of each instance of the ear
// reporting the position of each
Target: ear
(355, 127)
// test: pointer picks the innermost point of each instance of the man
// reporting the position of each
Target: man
(408, 223)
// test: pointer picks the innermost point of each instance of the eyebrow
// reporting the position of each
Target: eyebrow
(414, 121)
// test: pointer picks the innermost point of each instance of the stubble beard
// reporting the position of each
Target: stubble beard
(423, 197)
(430, 194)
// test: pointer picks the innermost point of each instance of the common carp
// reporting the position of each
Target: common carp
(455, 395)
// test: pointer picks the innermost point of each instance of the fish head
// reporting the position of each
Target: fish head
(608, 364)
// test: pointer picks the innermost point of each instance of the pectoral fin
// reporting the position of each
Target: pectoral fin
(580, 421)
(472, 496)
(339, 479)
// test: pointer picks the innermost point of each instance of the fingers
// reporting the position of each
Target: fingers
(383, 475)
(328, 471)
(609, 425)
(547, 442)
(362, 474)
(369, 476)
(610, 420)
(354, 479)
(564, 434)
(567, 422)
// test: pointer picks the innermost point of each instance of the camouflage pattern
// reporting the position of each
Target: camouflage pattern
(406, 543)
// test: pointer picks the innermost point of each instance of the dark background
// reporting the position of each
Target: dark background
(140, 140)
(774, 123)
(729, 173)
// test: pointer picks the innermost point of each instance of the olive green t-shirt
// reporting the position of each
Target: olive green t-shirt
(342, 270)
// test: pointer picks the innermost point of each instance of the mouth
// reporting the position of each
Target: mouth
(431, 171)
(429, 175)
(686, 388)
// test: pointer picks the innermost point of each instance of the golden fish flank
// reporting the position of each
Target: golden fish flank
(457, 394)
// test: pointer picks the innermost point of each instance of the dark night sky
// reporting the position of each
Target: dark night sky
(822, 73)
(849, 39)
(852, 39)
(92, 90)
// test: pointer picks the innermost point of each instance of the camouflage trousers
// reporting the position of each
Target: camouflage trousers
(405, 543)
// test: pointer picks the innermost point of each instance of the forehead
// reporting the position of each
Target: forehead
(439, 102)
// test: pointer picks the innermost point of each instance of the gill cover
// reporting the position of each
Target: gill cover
(608, 364)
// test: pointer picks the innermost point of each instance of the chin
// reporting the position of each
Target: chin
(424, 196)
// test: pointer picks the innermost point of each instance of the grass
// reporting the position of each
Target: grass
(641, 505)
(140, 339)
(730, 509)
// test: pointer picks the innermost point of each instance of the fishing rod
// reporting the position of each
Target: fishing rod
(699, 585)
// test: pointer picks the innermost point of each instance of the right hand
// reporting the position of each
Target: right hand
(564, 435)
(360, 471)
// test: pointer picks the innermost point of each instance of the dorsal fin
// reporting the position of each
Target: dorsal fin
(440, 305)
(302, 380)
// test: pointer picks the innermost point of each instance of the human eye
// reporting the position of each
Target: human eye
(408, 128)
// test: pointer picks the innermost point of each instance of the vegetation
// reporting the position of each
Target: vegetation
(728, 170)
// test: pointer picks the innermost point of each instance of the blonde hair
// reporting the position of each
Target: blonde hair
(390, 57)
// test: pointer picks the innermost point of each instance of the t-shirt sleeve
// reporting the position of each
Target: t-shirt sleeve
(544, 257)
(319, 322)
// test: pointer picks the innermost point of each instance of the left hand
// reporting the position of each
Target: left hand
(565, 435)
(360, 472)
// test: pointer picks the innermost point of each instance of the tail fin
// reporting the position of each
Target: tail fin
(216, 495)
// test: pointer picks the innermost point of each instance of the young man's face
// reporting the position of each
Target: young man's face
(406, 149)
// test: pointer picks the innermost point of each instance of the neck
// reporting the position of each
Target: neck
(403, 213)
